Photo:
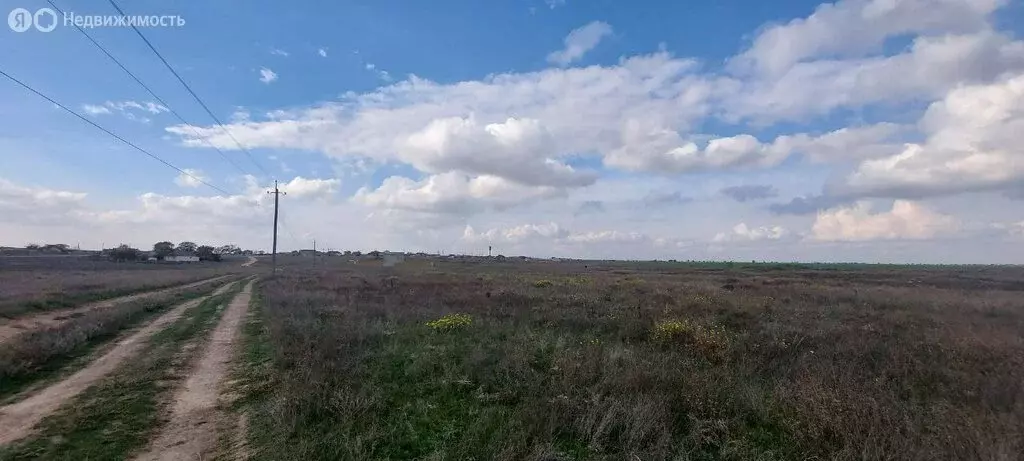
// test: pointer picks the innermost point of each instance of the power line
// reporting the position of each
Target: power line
(151, 93)
(193, 93)
(86, 120)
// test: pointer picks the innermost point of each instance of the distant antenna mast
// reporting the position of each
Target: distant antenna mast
(488, 251)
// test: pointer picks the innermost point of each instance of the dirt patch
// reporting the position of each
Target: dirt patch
(10, 328)
(18, 419)
(192, 431)
(251, 261)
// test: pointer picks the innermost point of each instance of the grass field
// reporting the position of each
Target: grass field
(513, 360)
(32, 284)
(636, 361)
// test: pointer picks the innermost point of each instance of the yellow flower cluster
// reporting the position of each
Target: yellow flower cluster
(451, 322)
(542, 283)
(708, 340)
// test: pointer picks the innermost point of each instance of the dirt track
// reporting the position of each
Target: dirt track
(9, 328)
(191, 432)
(18, 419)
(252, 260)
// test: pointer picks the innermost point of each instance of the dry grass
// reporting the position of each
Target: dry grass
(41, 284)
(41, 354)
(642, 362)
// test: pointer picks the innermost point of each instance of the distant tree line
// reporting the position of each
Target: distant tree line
(164, 249)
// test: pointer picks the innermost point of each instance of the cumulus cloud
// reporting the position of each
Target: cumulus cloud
(518, 150)
(579, 42)
(516, 234)
(852, 28)
(929, 68)
(742, 233)
(310, 187)
(267, 76)
(452, 193)
(16, 198)
(906, 220)
(510, 142)
(190, 178)
(322, 52)
(973, 143)
(746, 193)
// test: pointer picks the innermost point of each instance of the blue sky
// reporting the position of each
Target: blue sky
(416, 125)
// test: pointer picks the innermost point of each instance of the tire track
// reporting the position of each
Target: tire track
(192, 431)
(18, 419)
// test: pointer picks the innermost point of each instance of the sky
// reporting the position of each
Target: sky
(885, 131)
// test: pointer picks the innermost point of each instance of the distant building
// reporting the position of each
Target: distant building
(182, 259)
(391, 259)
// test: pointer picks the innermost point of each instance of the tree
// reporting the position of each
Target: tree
(124, 253)
(207, 253)
(187, 248)
(32, 246)
(163, 249)
(229, 250)
(61, 247)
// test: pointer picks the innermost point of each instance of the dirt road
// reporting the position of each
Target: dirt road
(18, 419)
(10, 328)
(252, 260)
(191, 432)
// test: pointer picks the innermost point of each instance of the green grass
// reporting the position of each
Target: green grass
(116, 417)
(44, 355)
(348, 365)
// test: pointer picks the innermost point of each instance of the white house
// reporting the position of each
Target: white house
(182, 259)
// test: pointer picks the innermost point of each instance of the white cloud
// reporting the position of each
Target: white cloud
(381, 74)
(657, 89)
(552, 4)
(520, 150)
(516, 234)
(554, 233)
(742, 233)
(190, 178)
(132, 110)
(322, 52)
(973, 143)
(278, 52)
(95, 110)
(853, 28)
(657, 149)
(14, 197)
(303, 187)
(267, 75)
(579, 42)
(499, 148)
(932, 66)
(906, 220)
(452, 193)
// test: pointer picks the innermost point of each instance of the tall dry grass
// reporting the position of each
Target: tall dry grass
(620, 363)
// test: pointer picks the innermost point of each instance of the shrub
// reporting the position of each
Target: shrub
(709, 341)
(542, 283)
(451, 322)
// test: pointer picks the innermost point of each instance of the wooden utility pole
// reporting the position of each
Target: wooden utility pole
(277, 193)
(314, 252)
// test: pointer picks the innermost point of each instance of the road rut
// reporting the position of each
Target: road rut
(191, 432)
(18, 419)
